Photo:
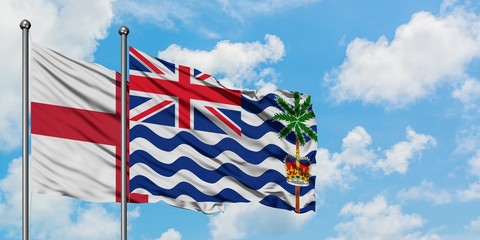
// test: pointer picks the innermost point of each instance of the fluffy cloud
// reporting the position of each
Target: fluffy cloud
(398, 157)
(336, 168)
(72, 27)
(474, 163)
(172, 14)
(473, 226)
(468, 94)
(378, 220)
(468, 140)
(411, 66)
(242, 221)
(170, 234)
(239, 70)
(51, 216)
(161, 12)
(472, 193)
(425, 191)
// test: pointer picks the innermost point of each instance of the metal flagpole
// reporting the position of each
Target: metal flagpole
(25, 26)
(123, 31)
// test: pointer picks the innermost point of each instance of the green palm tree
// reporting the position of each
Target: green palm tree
(296, 116)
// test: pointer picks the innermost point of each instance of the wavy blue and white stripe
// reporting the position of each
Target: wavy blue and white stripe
(201, 170)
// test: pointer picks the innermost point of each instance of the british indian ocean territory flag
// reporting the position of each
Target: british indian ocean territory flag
(196, 144)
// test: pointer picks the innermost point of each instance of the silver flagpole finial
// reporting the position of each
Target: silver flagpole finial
(26, 24)
(123, 30)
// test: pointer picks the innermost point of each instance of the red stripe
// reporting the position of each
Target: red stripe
(224, 120)
(138, 198)
(190, 91)
(145, 61)
(118, 148)
(203, 76)
(184, 99)
(151, 110)
(75, 124)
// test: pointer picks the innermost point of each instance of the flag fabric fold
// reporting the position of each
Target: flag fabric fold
(196, 144)
(75, 124)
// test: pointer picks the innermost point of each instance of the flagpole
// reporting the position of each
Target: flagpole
(25, 26)
(123, 31)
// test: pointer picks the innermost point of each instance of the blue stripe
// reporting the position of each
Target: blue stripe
(136, 101)
(257, 107)
(184, 188)
(136, 65)
(210, 176)
(213, 176)
(226, 195)
(257, 132)
(211, 151)
(169, 65)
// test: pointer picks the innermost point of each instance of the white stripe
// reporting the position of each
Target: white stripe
(73, 168)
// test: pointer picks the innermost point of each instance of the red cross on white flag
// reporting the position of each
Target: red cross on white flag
(75, 109)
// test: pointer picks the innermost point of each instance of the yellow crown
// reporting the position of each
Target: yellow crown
(297, 174)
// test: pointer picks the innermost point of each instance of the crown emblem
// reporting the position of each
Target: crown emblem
(298, 171)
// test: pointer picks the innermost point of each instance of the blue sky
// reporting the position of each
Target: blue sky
(395, 87)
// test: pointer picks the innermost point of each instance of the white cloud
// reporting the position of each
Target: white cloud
(473, 226)
(470, 194)
(377, 220)
(468, 94)
(425, 191)
(468, 140)
(337, 168)
(69, 26)
(170, 234)
(332, 171)
(420, 236)
(189, 14)
(134, 213)
(242, 221)
(474, 163)
(357, 152)
(355, 148)
(243, 9)
(161, 12)
(398, 157)
(411, 66)
(238, 63)
(52, 216)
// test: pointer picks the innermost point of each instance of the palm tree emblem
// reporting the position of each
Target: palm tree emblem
(295, 117)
